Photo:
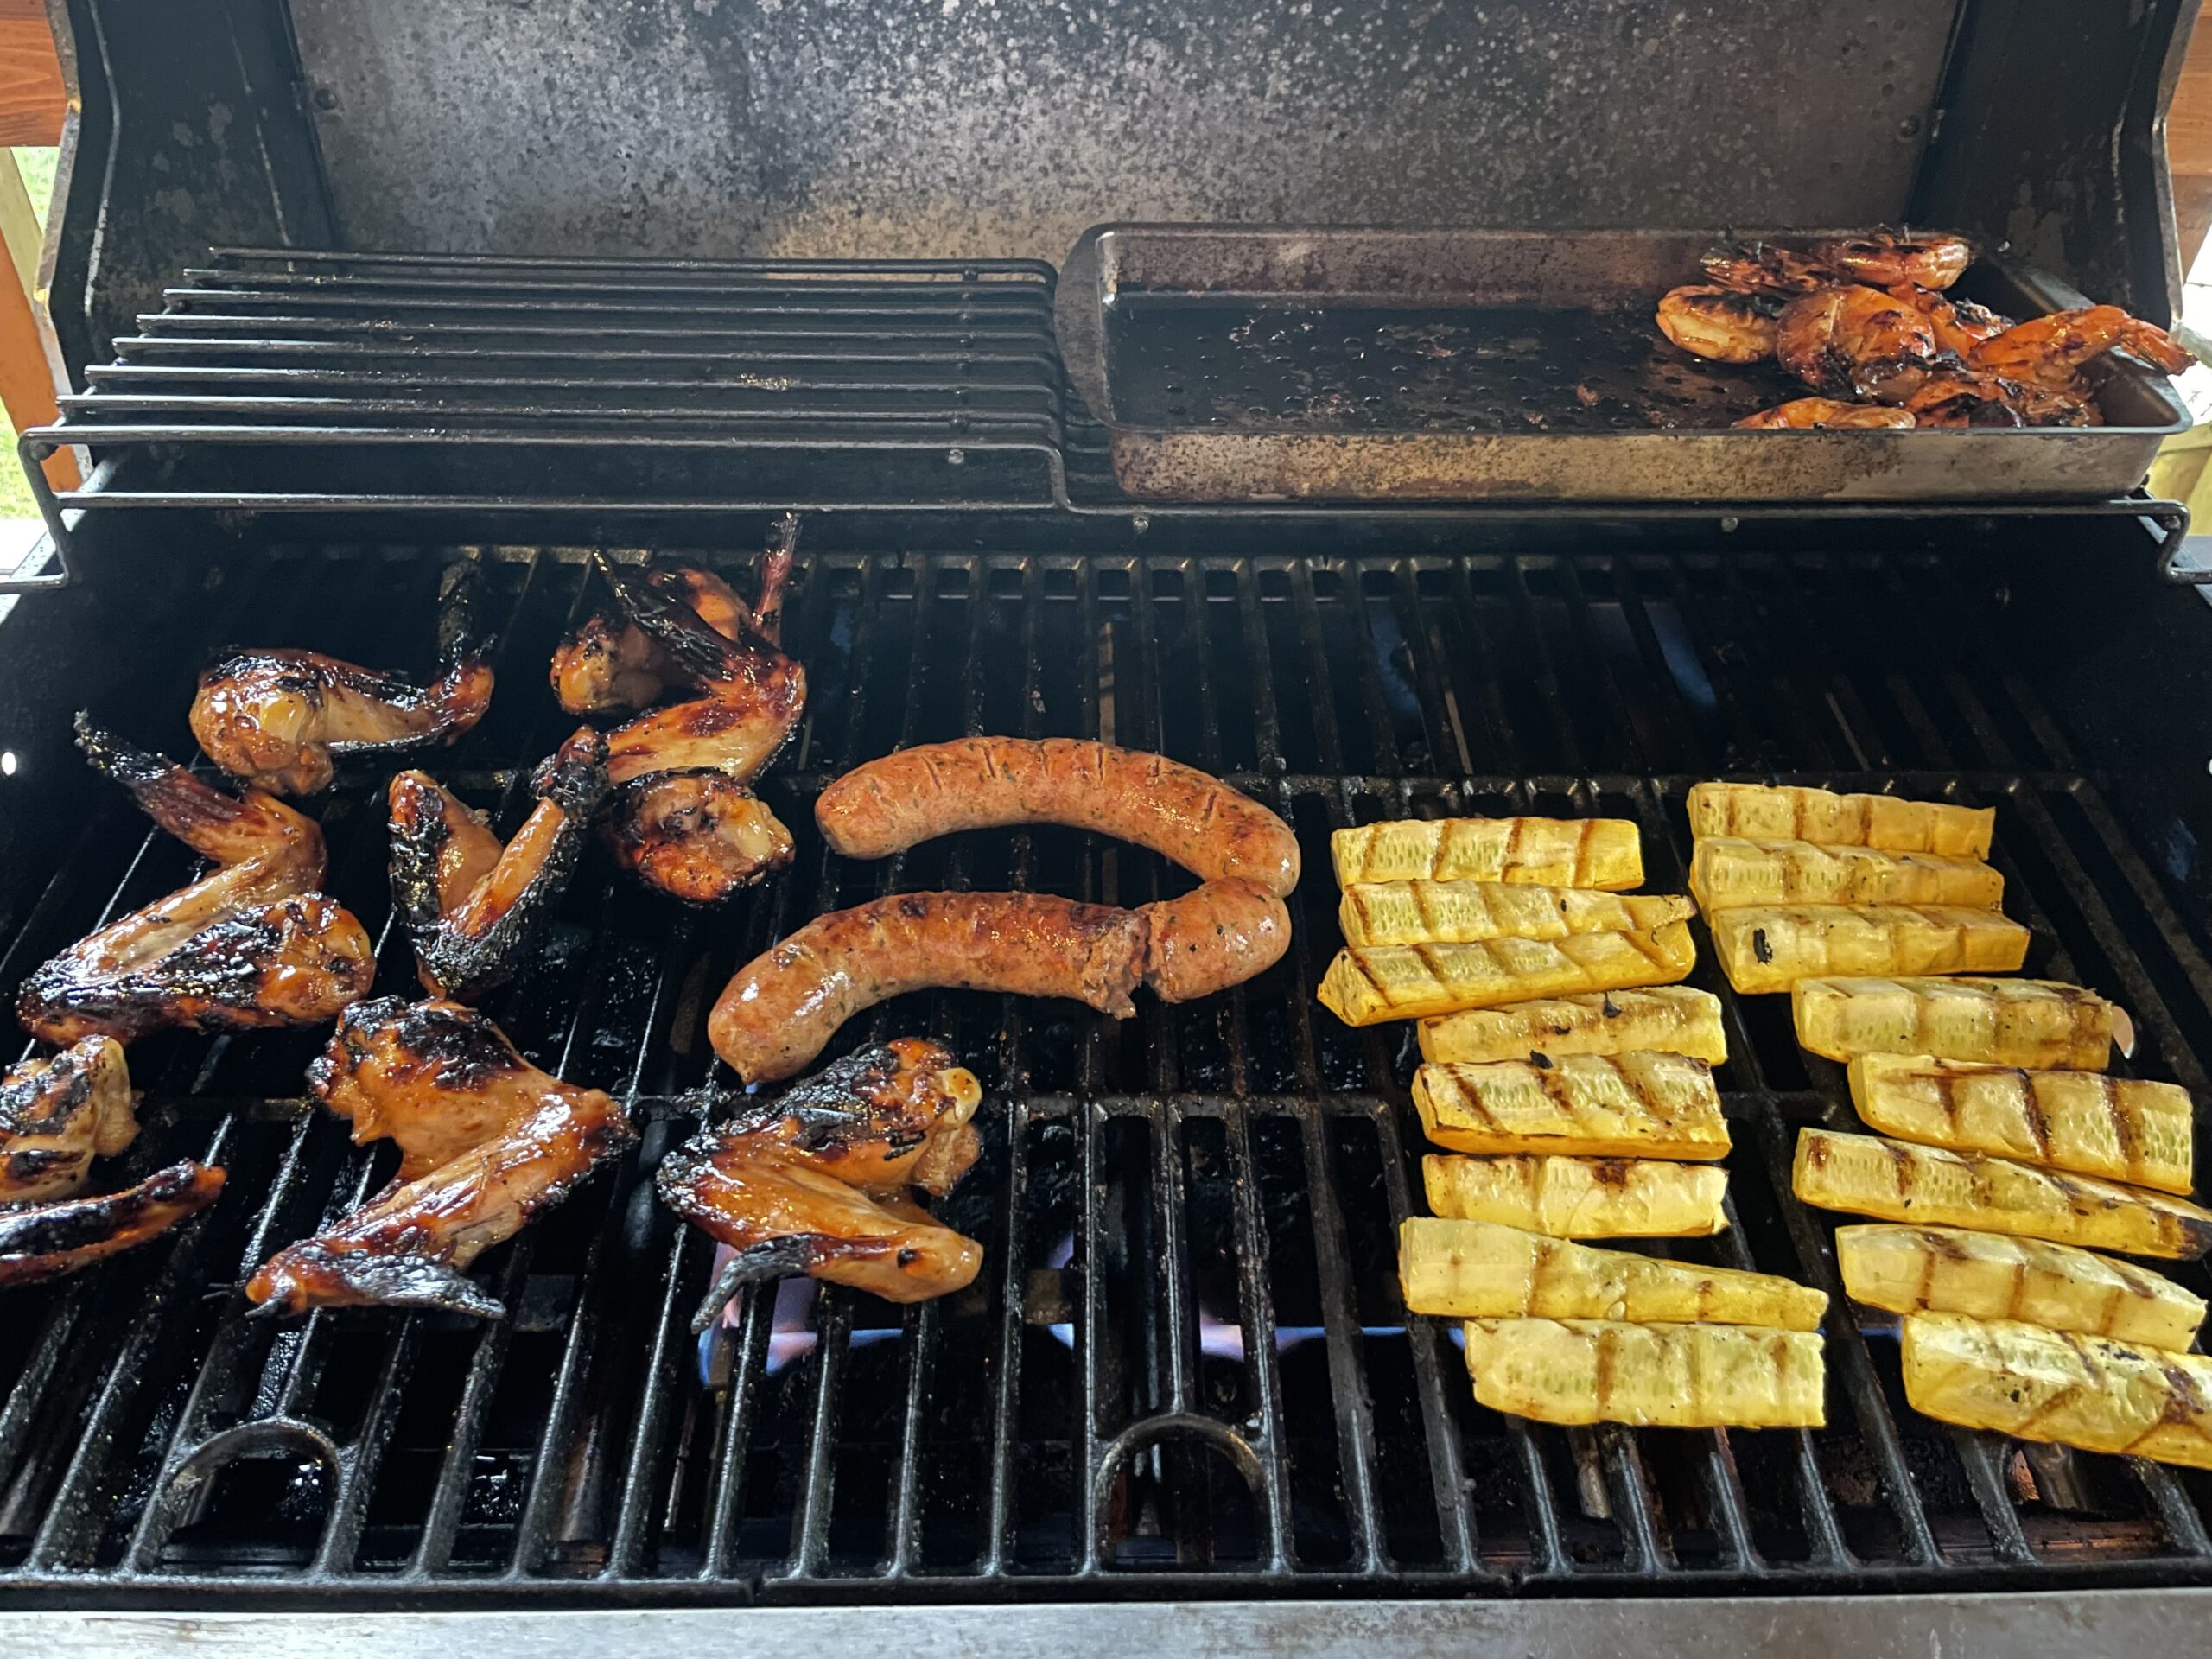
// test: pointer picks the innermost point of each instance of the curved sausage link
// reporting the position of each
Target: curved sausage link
(981, 783)
(1219, 934)
(781, 1009)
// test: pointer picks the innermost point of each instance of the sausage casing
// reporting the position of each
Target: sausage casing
(782, 1008)
(981, 783)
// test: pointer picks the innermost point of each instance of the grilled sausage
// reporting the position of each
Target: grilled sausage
(1217, 936)
(981, 783)
(782, 1008)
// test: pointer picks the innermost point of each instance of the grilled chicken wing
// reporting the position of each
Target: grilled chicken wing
(697, 834)
(57, 1115)
(471, 905)
(683, 817)
(814, 1181)
(47, 1240)
(249, 945)
(609, 664)
(1854, 341)
(488, 1140)
(278, 718)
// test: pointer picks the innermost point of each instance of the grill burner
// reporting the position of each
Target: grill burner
(1184, 1367)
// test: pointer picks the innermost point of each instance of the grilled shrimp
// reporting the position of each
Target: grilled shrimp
(1853, 341)
(1886, 258)
(2052, 351)
(1717, 323)
(1821, 414)
(1757, 268)
(1959, 325)
(1955, 398)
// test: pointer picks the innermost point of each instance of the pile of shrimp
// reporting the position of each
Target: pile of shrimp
(1867, 324)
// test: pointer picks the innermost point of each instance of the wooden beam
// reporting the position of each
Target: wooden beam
(33, 99)
(30, 368)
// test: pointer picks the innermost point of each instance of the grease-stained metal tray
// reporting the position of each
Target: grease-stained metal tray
(1237, 364)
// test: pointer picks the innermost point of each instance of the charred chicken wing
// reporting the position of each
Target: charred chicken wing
(250, 944)
(487, 1140)
(57, 1115)
(470, 904)
(47, 1240)
(682, 817)
(279, 718)
(1818, 414)
(815, 1180)
(1762, 268)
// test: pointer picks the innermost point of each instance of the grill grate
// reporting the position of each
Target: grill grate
(1185, 1369)
(296, 380)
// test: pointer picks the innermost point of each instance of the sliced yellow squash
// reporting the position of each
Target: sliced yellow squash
(1893, 1181)
(2035, 1022)
(2122, 1128)
(1482, 1270)
(1641, 1105)
(1764, 813)
(1576, 1372)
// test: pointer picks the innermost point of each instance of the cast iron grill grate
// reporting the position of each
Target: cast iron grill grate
(1185, 1369)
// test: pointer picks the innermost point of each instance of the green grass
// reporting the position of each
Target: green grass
(37, 168)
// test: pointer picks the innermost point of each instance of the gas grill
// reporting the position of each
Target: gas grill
(1186, 1373)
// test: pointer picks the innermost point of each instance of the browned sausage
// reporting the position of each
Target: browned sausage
(782, 1008)
(981, 783)
(1207, 940)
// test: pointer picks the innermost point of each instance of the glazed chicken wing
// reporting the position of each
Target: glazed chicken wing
(249, 945)
(47, 1240)
(1853, 341)
(1818, 414)
(815, 1180)
(700, 835)
(610, 663)
(470, 904)
(279, 718)
(57, 1115)
(682, 817)
(488, 1141)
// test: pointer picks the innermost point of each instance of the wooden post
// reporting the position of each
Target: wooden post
(33, 104)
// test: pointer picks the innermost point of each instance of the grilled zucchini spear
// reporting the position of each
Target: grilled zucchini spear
(1730, 871)
(1674, 1018)
(1649, 1105)
(1457, 913)
(1580, 1197)
(1650, 1375)
(2119, 1127)
(2059, 1386)
(1788, 814)
(1480, 1270)
(1402, 981)
(1549, 852)
(2034, 1022)
(1768, 948)
(1945, 1270)
(1892, 1181)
